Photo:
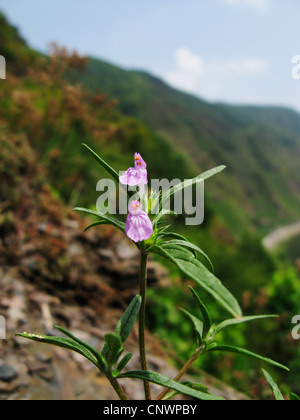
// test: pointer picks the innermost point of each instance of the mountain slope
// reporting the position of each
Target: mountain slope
(259, 145)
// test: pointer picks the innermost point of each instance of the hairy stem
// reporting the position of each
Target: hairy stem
(142, 317)
(117, 387)
(183, 370)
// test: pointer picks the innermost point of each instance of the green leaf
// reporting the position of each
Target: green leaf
(206, 317)
(61, 342)
(124, 362)
(294, 397)
(197, 386)
(91, 349)
(108, 219)
(102, 162)
(276, 391)
(191, 246)
(123, 330)
(195, 270)
(236, 321)
(244, 352)
(164, 381)
(101, 222)
(129, 317)
(114, 348)
(197, 324)
(181, 186)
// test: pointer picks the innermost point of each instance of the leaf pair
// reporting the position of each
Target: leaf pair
(206, 332)
(113, 346)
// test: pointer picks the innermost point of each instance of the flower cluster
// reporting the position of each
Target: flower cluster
(138, 224)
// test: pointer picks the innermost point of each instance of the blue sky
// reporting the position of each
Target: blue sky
(235, 51)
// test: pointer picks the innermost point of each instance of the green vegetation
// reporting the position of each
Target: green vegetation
(44, 109)
(258, 145)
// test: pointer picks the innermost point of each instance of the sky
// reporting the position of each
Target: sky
(233, 51)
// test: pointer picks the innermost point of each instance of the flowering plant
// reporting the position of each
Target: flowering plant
(150, 236)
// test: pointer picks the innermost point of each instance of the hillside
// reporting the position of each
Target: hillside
(44, 118)
(260, 145)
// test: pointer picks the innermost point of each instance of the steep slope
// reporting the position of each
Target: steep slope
(259, 145)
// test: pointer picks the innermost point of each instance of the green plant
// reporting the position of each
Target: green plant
(276, 391)
(151, 236)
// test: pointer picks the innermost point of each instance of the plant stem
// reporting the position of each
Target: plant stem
(117, 387)
(142, 317)
(183, 370)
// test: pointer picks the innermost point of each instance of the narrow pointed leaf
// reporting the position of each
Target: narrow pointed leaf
(197, 386)
(124, 362)
(61, 342)
(114, 348)
(197, 324)
(244, 352)
(236, 321)
(181, 186)
(174, 235)
(101, 222)
(110, 220)
(205, 314)
(276, 391)
(195, 270)
(164, 381)
(129, 317)
(191, 246)
(125, 324)
(91, 349)
(104, 164)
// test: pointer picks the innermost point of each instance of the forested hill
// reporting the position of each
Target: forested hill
(260, 145)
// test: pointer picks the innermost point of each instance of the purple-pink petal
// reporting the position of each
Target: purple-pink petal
(138, 224)
(134, 177)
(137, 175)
(139, 161)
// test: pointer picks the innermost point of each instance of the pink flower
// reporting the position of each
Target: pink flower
(137, 175)
(138, 224)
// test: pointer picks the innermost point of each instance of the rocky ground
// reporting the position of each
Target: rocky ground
(89, 308)
(33, 300)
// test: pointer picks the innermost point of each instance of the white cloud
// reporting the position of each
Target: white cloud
(211, 78)
(261, 5)
(189, 69)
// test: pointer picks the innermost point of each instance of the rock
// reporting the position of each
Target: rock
(35, 366)
(7, 373)
(44, 356)
(48, 375)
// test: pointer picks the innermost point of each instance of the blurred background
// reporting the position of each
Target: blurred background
(189, 87)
